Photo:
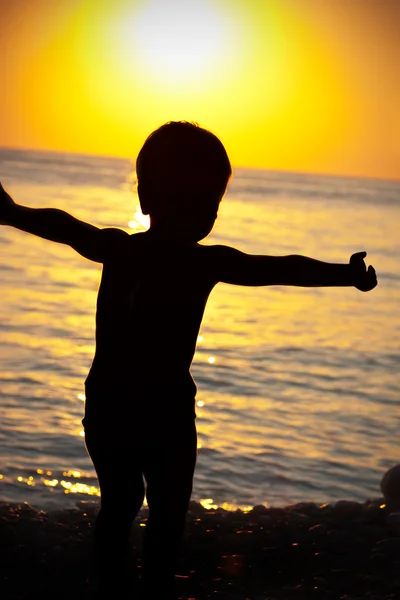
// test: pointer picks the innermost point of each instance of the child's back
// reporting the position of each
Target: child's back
(149, 310)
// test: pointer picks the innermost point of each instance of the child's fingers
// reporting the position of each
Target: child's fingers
(358, 256)
(372, 276)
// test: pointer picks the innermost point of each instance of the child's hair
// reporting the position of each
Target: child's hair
(181, 160)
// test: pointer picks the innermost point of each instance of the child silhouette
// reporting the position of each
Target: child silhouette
(140, 397)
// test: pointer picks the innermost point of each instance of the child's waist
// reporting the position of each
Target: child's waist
(130, 410)
(140, 383)
(151, 435)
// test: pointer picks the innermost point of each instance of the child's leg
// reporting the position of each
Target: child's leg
(117, 470)
(169, 477)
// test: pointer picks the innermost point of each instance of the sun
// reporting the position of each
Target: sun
(141, 63)
(174, 39)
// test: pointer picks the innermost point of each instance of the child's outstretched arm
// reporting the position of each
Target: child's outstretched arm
(59, 226)
(239, 268)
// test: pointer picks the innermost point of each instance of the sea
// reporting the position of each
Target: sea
(298, 388)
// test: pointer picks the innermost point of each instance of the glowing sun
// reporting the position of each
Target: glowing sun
(174, 38)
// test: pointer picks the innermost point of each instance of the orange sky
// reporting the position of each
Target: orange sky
(302, 85)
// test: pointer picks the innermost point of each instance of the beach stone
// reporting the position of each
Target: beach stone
(347, 508)
(319, 529)
(342, 578)
(196, 507)
(378, 560)
(393, 521)
(388, 545)
(338, 538)
(272, 554)
(277, 513)
(374, 505)
(390, 485)
(320, 582)
(265, 520)
(305, 508)
(295, 517)
(259, 509)
(299, 553)
(325, 510)
(373, 532)
(370, 517)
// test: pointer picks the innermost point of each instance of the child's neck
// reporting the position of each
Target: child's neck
(168, 230)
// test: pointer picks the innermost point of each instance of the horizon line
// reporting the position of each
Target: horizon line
(250, 168)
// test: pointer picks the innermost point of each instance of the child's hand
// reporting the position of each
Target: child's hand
(364, 279)
(6, 202)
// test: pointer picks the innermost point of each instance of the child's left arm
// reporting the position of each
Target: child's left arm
(59, 226)
(233, 266)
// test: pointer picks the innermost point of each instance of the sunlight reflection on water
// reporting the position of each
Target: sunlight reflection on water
(298, 388)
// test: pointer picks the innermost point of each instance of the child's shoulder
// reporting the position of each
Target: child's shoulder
(215, 258)
(216, 251)
(206, 255)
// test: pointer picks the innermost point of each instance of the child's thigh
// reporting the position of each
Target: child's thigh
(169, 472)
(117, 468)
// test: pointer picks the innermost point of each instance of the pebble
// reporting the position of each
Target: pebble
(305, 508)
(389, 545)
(393, 521)
(347, 550)
(318, 530)
(295, 517)
(347, 508)
(266, 520)
(390, 485)
(259, 509)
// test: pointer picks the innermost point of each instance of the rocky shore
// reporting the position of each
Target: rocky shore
(346, 550)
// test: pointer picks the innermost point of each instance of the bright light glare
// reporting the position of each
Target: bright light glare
(175, 37)
(139, 221)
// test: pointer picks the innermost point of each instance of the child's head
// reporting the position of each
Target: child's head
(182, 171)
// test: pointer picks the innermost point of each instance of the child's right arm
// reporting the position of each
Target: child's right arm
(59, 226)
(239, 268)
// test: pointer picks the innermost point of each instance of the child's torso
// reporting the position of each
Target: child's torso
(149, 310)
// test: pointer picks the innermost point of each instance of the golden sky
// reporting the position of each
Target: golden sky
(301, 85)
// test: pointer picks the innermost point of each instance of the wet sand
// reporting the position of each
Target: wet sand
(346, 551)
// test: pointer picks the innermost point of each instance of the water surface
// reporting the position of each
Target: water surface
(298, 388)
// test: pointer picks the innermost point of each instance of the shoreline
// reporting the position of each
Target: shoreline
(345, 550)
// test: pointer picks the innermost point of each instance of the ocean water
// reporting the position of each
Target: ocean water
(298, 388)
